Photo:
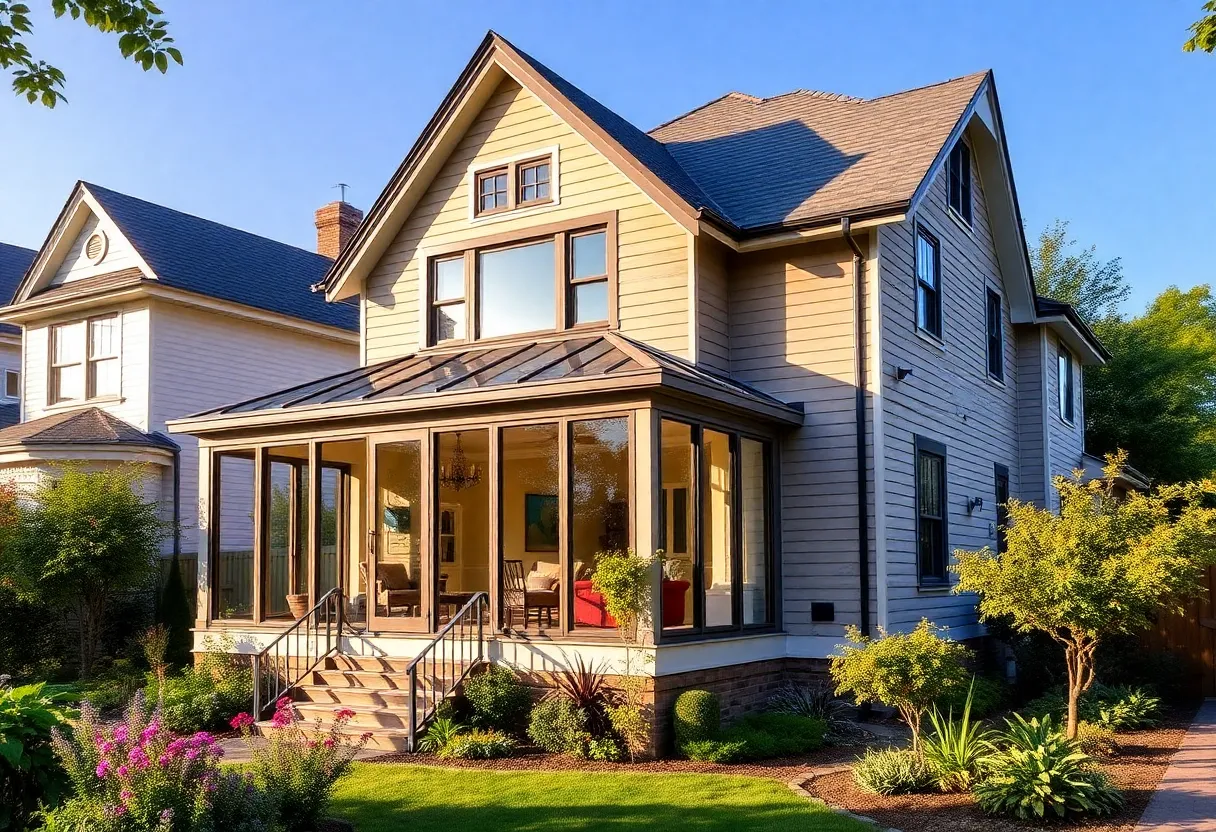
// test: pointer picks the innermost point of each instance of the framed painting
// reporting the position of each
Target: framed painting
(540, 522)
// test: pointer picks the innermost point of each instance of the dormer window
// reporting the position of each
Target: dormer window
(528, 181)
(958, 175)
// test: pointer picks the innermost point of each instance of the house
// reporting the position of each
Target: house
(14, 260)
(793, 342)
(133, 314)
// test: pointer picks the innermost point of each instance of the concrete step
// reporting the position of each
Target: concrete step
(382, 739)
(365, 718)
(356, 697)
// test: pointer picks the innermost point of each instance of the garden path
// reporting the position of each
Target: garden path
(1185, 800)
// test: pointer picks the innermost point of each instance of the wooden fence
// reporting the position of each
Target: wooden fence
(1192, 636)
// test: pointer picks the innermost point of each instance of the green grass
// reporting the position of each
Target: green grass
(383, 797)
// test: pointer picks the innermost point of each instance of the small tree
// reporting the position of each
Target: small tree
(173, 612)
(905, 671)
(624, 579)
(1103, 566)
(81, 540)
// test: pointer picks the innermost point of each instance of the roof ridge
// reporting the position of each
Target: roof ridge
(731, 94)
(923, 87)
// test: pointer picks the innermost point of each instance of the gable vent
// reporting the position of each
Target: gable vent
(95, 247)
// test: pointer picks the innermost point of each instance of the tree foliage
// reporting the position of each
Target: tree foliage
(1203, 31)
(83, 539)
(1093, 286)
(142, 31)
(905, 671)
(1105, 565)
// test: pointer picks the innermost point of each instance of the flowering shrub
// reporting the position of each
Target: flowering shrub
(296, 769)
(136, 776)
(29, 772)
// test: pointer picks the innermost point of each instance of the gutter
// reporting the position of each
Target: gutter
(859, 367)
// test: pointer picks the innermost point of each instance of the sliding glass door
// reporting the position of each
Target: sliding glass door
(397, 574)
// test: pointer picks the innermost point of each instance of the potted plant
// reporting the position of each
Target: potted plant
(298, 604)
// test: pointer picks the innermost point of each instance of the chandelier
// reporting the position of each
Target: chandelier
(458, 474)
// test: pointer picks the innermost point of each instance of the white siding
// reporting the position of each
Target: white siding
(948, 398)
(76, 266)
(203, 360)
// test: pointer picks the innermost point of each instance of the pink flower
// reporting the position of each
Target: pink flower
(164, 760)
(241, 721)
(343, 714)
(193, 753)
(123, 771)
(329, 742)
(284, 702)
(120, 734)
(283, 718)
(102, 768)
(106, 747)
(125, 795)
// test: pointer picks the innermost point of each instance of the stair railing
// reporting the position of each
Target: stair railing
(298, 650)
(456, 649)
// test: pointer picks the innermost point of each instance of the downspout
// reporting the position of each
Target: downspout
(859, 368)
(177, 495)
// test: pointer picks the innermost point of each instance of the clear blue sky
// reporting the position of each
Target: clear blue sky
(1110, 124)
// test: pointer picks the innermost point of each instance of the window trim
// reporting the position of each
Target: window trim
(90, 360)
(989, 295)
(11, 374)
(518, 167)
(919, 232)
(924, 445)
(512, 164)
(560, 233)
(85, 362)
(492, 172)
(966, 185)
(1068, 414)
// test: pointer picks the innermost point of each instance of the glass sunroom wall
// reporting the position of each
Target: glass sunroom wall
(600, 509)
(342, 556)
(232, 576)
(400, 522)
(285, 560)
(462, 523)
(531, 588)
(677, 526)
(717, 517)
(754, 478)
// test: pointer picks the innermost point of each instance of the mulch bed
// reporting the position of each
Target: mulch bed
(1143, 758)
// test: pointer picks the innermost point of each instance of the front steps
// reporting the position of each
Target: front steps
(375, 688)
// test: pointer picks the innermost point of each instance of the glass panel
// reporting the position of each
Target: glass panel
(102, 341)
(279, 532)
(462, 519)
(677, 462)
(300, 555)
(327, 566)
(717, 500)
(588, 255)
(449, 279)
(103, 377)
(12, 384)
(232, 592)
(516, 290)
(399, 519)
(754, 539)
(69, 383)
(600, 511)
(591, 302)
(926, 254)
(343, 528)
(532, 586)
(449, 322)
(69, 343)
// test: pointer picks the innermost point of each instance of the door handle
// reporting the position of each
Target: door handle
(371, 541)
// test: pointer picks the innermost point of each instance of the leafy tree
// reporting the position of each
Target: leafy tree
(1203, 31)
(1094, 287)
(906, 671)
(173, 614)
(83, 539)
(1104, 566)
(143, 37)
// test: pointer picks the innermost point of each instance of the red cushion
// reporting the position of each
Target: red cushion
(589, 607)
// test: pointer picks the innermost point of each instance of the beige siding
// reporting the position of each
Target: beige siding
(202, 360)
(652, 254)
(948, 398)
(1065, 442)
(713, 335)
(132, 405)
(1030, 414)
(76, 266)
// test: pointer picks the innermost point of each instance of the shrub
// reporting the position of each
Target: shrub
(697, 716)
(136, 775)
(587, 689)
(297, 774)
(112, 688)
(479, 745)
(1038, 772)
(605, 750)
(817, 699)
(907, 671)
(29, 772)
(777, 735)
(892, 771)
(498, 699)
(624, 580)
(439, 734)
(1097, 740)
(1118, 707)
(715, 751)
(955, 747)
(558, 727)
(987, 697)
(629, 722)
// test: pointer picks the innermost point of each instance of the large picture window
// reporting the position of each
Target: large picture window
(717, 483)
(931, 512)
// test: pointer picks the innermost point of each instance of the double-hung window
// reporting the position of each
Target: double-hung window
(996, 337)
(928, 283)
(562, 279)
(1065, 384)
(931, 511)
(84, 360)
(958, 175)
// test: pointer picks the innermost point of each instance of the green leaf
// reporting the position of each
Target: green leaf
(162, 62)
(175, 54)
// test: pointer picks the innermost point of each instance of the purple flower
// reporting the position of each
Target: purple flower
(192, 754)
(115, 811)
(123, 771)
(149, 733)
(166, 816)
(106, 746)
(102, 768)
(164, 760)
(120, 734)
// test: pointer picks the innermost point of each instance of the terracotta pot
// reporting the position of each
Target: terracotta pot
(298, 604)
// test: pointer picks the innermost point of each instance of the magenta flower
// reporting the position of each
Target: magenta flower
(123, 771)
(106, 746)
(329, 742)
(284, 702)
(120, 734)
(164, 760)
(125, 795)
(102, 768)
(283, 718)
(241, 721)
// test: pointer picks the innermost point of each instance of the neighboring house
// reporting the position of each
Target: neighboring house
(791, 341)
(135, 314)
(14, 260)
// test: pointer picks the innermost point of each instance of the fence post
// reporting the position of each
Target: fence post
(413, 708)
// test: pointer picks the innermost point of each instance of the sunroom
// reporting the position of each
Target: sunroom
(412, 486)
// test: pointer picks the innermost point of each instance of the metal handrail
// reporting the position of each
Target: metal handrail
(288, 667)
(454, 641)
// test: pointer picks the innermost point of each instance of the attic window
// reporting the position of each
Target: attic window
(526, 181)
(958, 174)
(95, 247)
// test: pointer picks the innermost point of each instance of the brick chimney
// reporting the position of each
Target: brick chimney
(336, 224)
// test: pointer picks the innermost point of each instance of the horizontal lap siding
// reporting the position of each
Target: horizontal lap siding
(713, 330)
(791, 335)
(1030, 414)
(652, 248)
(948, 398)
(76, 266)
(1065, 442)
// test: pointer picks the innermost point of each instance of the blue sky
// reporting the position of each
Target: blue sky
(1110, 125)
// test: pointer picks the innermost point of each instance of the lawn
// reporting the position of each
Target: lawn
(383, 797)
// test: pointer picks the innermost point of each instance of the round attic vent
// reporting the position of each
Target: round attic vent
(95, 247)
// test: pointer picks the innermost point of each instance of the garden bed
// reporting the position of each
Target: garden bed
(1136, 770)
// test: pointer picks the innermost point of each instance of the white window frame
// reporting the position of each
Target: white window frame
(1063, 353)
(87, 362)
(511, 163)
(11, 374)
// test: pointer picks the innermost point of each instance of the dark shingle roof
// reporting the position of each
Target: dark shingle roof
(14, 260)
(205, 257)
(1050, 307)
(91, 426)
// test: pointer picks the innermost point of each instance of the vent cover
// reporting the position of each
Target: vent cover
(95, 247)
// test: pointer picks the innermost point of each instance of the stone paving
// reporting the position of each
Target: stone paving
(1185, 801)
